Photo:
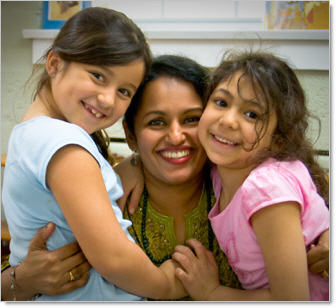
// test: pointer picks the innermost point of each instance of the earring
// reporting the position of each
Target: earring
(53, 74)
(134, 161)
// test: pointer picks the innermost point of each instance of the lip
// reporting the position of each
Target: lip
(94, 112)
(176, 155)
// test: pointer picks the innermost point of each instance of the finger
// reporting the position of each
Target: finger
(325, 274)
(39, 241)
(319, 267)
(184, 260)
(198, 248)
(70, 286)
(317, 253)
(185, 250)
(73, 261)
(135, 198)
(48, 230)
(67, 251)
(77, 270)
(122, 202)
(76, 273)
(210, 257)
(181, 274)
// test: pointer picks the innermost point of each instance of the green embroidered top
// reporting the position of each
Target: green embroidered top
(162, 240)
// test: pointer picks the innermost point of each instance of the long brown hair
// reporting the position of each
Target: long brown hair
(274, 79)
(97, 36)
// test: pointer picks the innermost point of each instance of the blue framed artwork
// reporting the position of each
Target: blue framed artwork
(56, 13)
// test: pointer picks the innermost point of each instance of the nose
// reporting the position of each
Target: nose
(106, 97)
(175, 134)
(229, 119)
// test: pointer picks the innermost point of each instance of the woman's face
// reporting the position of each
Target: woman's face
(166, 131)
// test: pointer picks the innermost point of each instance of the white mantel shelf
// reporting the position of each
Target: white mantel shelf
(306, 49)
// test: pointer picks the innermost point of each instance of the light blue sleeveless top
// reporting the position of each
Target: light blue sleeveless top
(29, 204)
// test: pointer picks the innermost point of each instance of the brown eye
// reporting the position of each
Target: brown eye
(192, 119)
(98, 76)
(156, 122)
(220, 103)
(252, 115)
(125, 92)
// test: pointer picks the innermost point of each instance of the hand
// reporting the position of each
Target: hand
(176, 288)
(318, 256)
(133, 183)
(47, 272)
(199, 273)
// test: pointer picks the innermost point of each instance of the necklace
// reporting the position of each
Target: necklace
(143, 227)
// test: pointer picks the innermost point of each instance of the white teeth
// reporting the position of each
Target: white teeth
(176, 155)
(94, 112)
(98, 115)
(225, 141)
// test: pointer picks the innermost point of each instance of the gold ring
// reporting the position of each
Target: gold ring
(325, 273)
(72, 278)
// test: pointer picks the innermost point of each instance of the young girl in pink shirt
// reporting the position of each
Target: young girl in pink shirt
(272, 196)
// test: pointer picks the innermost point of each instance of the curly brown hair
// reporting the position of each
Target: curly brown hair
(277, 83)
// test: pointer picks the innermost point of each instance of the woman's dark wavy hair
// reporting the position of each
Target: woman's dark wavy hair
(97, 36)
(172, 66)
(274, 80)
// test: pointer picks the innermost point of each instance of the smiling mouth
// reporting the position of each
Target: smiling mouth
(176, 155)
(96, 113)
(222, 140)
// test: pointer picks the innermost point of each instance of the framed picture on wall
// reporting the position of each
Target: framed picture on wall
(297, 15)
(56, 13)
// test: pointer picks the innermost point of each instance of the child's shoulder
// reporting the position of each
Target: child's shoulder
(44, 135)
(273, 166)
(275, 182)
(275, 175)
(45, 127)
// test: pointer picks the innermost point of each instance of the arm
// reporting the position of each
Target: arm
(200, 276)
(279, 233)
(75, 179)
(44, 271)
(132, 181)
(318, 256)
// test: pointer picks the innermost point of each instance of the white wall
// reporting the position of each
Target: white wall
(150, 15)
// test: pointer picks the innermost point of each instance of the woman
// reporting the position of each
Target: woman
(177, 199)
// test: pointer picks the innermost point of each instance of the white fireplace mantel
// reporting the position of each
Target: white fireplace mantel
(306, 49)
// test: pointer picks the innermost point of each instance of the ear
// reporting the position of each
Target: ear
(130, 138)
(53, 62)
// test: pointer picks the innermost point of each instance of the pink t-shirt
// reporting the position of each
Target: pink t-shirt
(270, 183)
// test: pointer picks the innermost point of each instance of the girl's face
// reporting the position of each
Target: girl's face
(227, 129)
(166, 131)
(93, 97)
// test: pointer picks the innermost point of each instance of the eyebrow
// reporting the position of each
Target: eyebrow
(162, 113)
(109, 72)
(224, 91)
(252, 101)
